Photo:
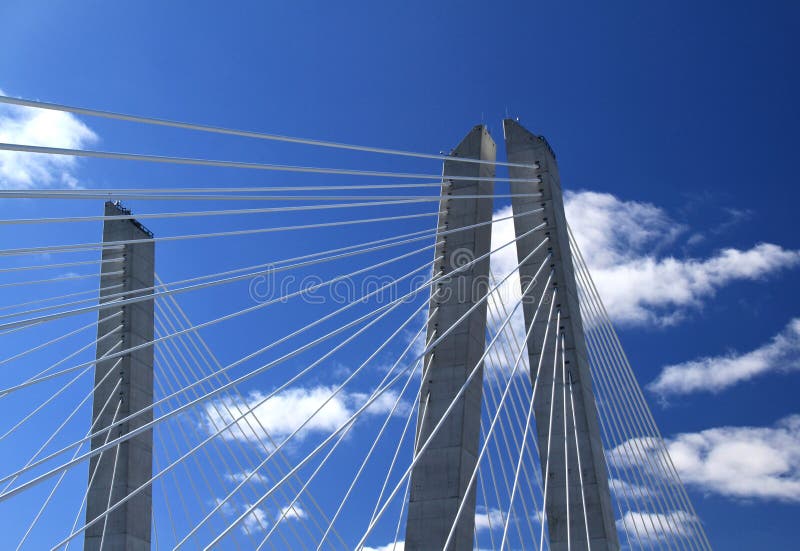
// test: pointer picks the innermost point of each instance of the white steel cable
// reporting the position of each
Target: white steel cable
(284, 297)
(110, 494)
(527, 428)
(94, 471)
(376, 394)
(338, 389)
(402, 437)
(670, 483)
(60, 278)
(488, 516)
(546, 474)
(493, 424)
(628, 434)
(146, 426)
(518, 422)
(226, 189)
(363, 201)
(190, 473)
(166, 503)
(150, 293)
(58, 429)
(638, 491)
(276, 362)
(628, 422)
(58, 339)
(249, 133)
(178, 490)
(460, 392)
(580, 468)
(637, 392)
(377, 438)
(614, 422)
(254, 231)
(61, 265)
(336, 444)
(61, 477)
(69, 152)
(227, 426)
(518, 399)
(49, 299)
(301, 292)
(185, 322)
(566, 440)
(177, 362)
(495, 377)
(275, 266)
(45, 371)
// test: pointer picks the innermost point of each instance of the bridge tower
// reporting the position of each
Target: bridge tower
(523, 147)
(118, 471)
(440, 477)
(439, 480)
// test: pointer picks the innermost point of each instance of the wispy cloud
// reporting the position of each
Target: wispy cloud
(488, 519)
(624, 243)
(761, 463)
(24, 125)
(239, 477)
(293, 512)
(654, 527)
(282, 414)
(715, 373)
(743, 462)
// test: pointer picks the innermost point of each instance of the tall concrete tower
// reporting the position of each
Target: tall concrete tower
(439, 480)
(118, 472)
(523, 147)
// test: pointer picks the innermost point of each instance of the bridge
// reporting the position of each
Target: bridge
(411, 358)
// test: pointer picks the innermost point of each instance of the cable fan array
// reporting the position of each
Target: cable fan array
(289, 348)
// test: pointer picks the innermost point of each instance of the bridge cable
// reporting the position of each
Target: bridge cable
(248, 133)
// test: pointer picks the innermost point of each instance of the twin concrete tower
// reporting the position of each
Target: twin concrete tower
(440, 479)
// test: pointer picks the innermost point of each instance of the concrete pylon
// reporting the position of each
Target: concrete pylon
(128, 527)
(524, 147)
(439, 480)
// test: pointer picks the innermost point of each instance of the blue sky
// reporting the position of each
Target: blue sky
(685, 114)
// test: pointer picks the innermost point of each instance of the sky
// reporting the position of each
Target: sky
(674, 127)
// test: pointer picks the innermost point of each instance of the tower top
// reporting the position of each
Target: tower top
(116, 207)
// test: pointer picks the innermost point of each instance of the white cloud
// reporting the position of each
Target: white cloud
(238, 478)
(716, 373)
(738, 462)
(500, 304)
(622, 243)
(654, 527)
(399, 546)
(24, 125)
(293, 512)
(285, 412)
(623, 488)
(255, 521)
(488, 519)
(743, 462)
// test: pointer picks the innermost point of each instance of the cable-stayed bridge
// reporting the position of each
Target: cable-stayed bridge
(332, 357)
